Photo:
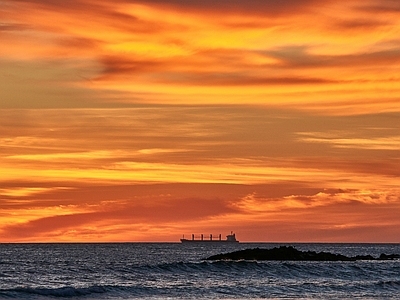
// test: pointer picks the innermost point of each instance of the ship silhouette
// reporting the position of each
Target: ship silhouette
(230, 238)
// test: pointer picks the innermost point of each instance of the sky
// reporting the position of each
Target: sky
(128, 121)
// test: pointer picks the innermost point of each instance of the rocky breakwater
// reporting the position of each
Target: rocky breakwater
(289, 253)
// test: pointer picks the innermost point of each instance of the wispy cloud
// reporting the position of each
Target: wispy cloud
(227, 52)
(253, 203)
(334, 139)
(27, 191)
(136, 216)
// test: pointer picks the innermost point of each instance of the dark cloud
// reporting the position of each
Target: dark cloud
(171, 195)
(236, 79)
(149, 210)
(60, 5)
(103, 13)
(153, 204)
(268, 8)
(299, 57)
(114, 65)
(47, 225)
(79, 43)
(163, 72)
(13, 27)
(367, 24)
(260, 7)
(194, 71)
(381, 6)
(374, 166)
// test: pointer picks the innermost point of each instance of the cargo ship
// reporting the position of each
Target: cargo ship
(230, 238)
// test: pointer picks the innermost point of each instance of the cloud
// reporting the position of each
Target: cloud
(117, 212)
(254, 204)
(12, 27)
(21, 192)
(70, 6)
(300, 57)
(384, 6)
(167, 52)
(236, 70)
(377, 143)
(364, 24)
(149, 209)
(88, 155)
(328, 215)
(259, 7)
(114, 66)
(188, 144)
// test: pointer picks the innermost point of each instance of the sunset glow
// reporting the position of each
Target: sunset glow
(139, 120)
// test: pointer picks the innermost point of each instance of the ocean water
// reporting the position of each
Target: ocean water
(179, 271)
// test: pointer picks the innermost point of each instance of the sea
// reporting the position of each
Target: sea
(180, 271)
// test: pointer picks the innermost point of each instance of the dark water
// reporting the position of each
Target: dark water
(170, 271)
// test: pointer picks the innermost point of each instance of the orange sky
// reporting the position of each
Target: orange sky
(134, 120)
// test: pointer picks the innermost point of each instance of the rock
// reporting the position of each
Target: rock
(364, 257)
(384, 256)
(289, 253)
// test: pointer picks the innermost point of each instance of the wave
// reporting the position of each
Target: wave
(389, 284)
(274, 289)
(62, 292)
(206, 266)
(224, 279)
(345, 272)
(241, 265)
